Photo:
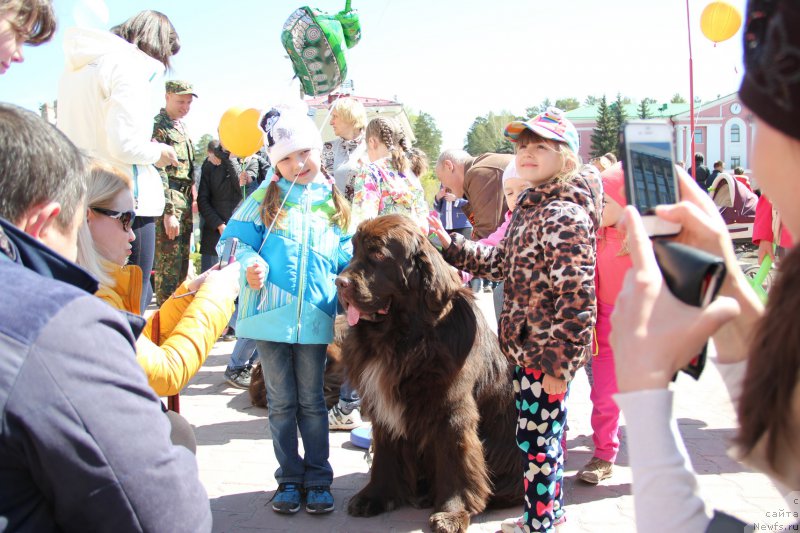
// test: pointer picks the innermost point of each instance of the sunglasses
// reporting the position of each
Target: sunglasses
(126, 218)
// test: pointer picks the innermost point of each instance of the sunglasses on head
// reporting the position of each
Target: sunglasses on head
(126, 217)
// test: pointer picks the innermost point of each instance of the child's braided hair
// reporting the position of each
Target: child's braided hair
(391, 135)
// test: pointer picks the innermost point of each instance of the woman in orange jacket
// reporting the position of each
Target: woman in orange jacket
(189, 322)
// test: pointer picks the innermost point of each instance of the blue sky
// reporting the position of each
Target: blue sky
(453, 59)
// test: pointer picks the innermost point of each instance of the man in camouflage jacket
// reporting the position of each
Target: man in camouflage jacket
(174, 233)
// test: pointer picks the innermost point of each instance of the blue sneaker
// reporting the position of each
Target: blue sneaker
(287, 498)
(319, 500)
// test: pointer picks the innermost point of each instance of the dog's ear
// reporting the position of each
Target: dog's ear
(438, 281)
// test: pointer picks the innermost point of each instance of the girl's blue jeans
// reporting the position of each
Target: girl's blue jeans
(293, 374)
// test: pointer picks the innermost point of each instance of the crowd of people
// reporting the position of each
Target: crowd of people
(90, 207)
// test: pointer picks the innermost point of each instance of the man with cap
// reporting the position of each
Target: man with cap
(174, 233)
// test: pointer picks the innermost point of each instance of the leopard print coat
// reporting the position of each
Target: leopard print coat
(547, 260)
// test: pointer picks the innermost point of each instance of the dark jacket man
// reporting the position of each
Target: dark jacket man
(83, 445)
(220, 193)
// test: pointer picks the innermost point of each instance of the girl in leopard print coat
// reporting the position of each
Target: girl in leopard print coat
(547, 260)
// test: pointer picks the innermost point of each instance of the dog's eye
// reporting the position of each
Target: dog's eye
(377, 255)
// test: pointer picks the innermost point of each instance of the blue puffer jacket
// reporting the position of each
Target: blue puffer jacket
(303, 257)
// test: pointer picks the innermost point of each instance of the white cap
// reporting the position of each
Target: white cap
(288, 130)
(511, 171)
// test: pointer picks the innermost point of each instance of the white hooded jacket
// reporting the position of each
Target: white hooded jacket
(104, 107)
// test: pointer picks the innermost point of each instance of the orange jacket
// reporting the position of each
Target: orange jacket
(189, 327)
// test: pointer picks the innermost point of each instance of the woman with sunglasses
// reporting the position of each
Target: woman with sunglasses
(758, 350)
(190, 321)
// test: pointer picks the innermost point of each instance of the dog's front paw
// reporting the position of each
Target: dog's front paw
(456, 522)
(363, 505)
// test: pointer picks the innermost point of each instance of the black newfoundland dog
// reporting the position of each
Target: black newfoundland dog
(432, 378)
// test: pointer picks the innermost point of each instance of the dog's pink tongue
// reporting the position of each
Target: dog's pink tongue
(353, 315)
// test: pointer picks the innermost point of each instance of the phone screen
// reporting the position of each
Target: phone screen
(653, 175)
(228, 252)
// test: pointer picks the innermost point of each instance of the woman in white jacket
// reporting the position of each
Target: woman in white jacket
(104, 107)
(654, 334)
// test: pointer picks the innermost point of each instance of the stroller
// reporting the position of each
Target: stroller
(736, 204)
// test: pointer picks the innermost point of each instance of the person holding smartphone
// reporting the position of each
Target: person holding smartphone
(189, 322)
(654, 334)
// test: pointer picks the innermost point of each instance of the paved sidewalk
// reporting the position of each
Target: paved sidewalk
(237, 463)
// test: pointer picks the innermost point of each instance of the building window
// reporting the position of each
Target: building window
(736, 161)
(698, 136)
(735, 133)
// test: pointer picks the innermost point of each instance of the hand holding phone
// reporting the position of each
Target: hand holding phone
(228, 252)
(650, 179)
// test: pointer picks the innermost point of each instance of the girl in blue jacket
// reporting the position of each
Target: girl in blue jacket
(292, 244)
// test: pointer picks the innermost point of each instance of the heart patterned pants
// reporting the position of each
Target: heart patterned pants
(541, 418)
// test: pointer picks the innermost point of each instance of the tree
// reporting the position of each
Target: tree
(677, 99)
(591, 100)
(644, 108)
(605, 136)
(567, 104)
(429, 137)
(618, 109)
(486, 135)
(535, 110)
(201, 149)
(564, 104)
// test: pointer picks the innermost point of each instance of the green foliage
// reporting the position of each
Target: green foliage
(644, 109)
(592, 100)
(564, 104)
(201, 149)
(535, 110)
(429, 137)
(677, 99)
(567, 104)
(431, 185)
(486, 135)
(605, 136)
(618, 110)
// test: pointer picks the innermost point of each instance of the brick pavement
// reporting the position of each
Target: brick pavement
(237, 464)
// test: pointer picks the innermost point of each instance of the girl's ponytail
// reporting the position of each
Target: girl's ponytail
(419, 161)
(271, 206)
(384, 130)
(342, 216)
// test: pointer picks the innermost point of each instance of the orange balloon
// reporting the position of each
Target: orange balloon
(239, 131)
(720, 21)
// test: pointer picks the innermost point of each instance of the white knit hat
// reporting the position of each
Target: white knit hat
(288, 130)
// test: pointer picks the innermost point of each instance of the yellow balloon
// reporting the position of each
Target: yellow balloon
(239, 131)
(720, 21)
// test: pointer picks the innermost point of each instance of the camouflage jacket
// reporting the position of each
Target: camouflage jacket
(165, 131)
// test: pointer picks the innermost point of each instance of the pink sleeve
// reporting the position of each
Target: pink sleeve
(762, 226)
(498, 234)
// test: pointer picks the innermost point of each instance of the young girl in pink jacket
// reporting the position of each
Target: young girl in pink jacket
(612, 263)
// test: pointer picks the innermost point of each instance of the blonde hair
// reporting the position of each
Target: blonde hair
(271, 205)
(103, 185)
(570, 161)
(351, 111)
(391, 135)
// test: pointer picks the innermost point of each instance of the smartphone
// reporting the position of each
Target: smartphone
(228, 252)
(650, 178)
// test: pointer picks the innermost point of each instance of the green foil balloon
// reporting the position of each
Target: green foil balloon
(315, 42)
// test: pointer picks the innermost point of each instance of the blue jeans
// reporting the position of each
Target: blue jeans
(293, 374)
(143, 250)
(244, 354)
